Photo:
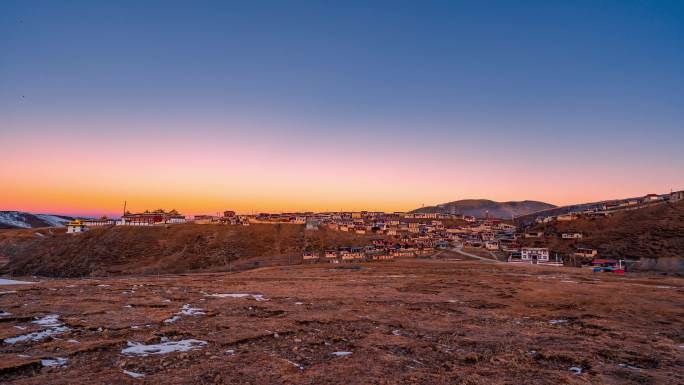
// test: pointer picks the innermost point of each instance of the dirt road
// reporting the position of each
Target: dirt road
(460, 251)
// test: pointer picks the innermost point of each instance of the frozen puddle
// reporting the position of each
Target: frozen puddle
(59, 361)
(138, 349)
(258, 297)
(133, 374)
(187, 309)
(13, 282)
(54, 327)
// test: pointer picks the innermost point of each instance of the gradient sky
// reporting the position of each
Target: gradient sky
(290, 105)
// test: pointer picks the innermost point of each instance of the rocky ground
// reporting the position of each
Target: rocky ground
(409, 322)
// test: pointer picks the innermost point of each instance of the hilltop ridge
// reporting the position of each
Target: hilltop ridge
(480, 208)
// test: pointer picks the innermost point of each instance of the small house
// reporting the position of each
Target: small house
(76, 226)
(310, 255)
(571, 235)
(586, 253)
(492, 245)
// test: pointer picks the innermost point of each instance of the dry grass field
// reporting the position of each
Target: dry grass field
(408, 322)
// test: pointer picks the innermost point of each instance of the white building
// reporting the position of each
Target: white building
(534, 254)
(75, 226)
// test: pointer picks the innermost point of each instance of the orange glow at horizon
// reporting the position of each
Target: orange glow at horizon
(202, 177)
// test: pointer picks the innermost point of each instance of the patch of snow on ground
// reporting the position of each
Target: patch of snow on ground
(558, 321)
(13, 282)
(138, 349)
(48, 320)
(341, 354)
(54, 327)
(187, 309)
(576, 370)
(4, 313)
(37, 336)
(258, 297)
(133, 374)
(59, 361)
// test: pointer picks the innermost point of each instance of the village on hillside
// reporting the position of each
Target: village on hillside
(405, 234)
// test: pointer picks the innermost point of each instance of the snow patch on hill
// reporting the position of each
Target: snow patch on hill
(53, 220)
(13, 219)
(24, 220)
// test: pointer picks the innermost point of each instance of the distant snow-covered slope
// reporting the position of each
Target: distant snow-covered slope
(23, 220)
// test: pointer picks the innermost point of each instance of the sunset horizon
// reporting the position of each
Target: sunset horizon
(315, 107)
(341, 192)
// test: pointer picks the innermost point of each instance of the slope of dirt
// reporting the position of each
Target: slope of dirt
(417, 322)
(655, 232)
(127, 250)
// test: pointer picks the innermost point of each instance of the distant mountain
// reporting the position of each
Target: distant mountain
(23, 220)
(479, 208)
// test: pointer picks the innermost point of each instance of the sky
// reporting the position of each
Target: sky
(255, 106)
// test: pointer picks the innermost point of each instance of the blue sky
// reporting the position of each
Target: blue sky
(567, 84)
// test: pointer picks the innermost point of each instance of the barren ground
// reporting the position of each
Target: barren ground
(408, 322)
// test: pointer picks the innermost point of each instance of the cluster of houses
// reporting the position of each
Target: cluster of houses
(147, 218)
(605, 209)
(403, 234)
(379, 250)
(229, 218)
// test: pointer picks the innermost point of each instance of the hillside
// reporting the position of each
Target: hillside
(23, 220)
(161, 249)
(480, 207)
(653, 234)
(527, 219)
